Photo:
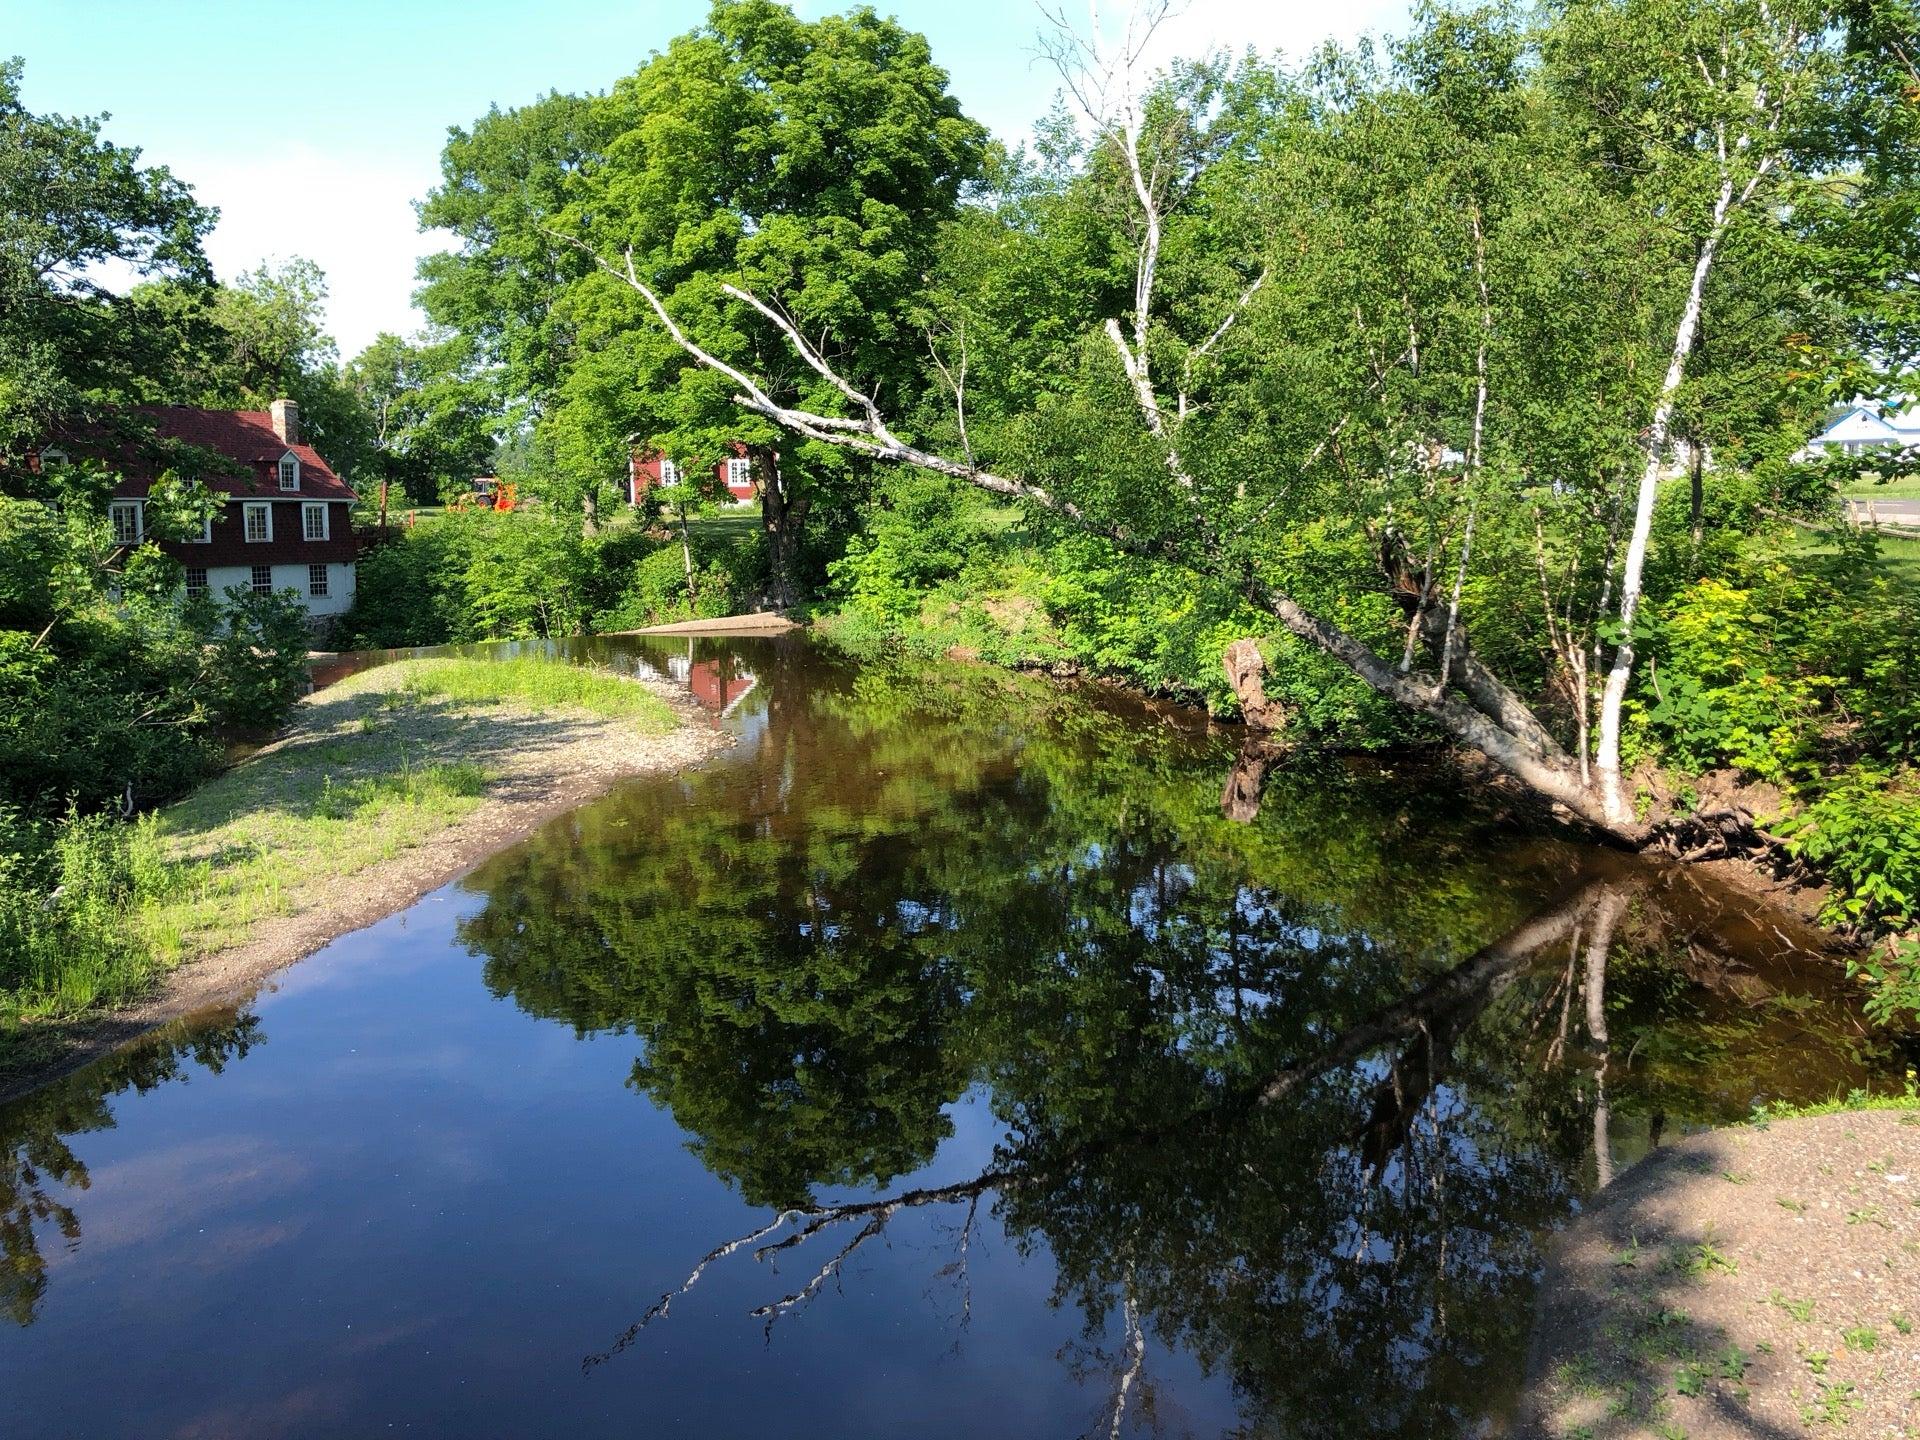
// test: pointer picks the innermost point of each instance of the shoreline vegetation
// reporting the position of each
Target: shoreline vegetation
(383, 786)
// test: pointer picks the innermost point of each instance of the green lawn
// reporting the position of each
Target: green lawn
(381, 763)
(731, 526)
(1900, 556)
(1900, 487)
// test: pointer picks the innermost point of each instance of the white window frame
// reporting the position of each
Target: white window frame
(741, 466)
(247, 510)
(280, 469)
(52, 455)
(317, 577)
(205, 537)
(669, 472)
(306, 517)
(205, 587)
(115, 508)
(253, 579)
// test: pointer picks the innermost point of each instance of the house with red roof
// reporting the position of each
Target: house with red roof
(285, 522)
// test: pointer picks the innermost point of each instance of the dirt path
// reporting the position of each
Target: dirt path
(1751, 1282)
(540, 765)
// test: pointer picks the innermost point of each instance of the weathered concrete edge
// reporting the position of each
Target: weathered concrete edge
(761, 622)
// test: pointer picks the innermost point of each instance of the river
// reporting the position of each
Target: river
(984, 1078)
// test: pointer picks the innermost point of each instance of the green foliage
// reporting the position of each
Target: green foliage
(497, 575)
(243, 345)
(73, 206)
(432, 425)
(256, 663)
(1719, 697)
(67, 897)
(1863, 834)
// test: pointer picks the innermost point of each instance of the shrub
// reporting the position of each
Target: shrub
(1863, 834)
(67, 899)
(1727, 687)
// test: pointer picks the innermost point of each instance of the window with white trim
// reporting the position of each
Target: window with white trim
(313, 522)
(289, 471)
(261, 580)
(258, 521)
(196, 581)
(669, 472)
(125, 515)
(739, 473)
(316, 580)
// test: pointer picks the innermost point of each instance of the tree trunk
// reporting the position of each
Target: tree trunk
(686, 557)
(1698, 497)
(781, 517)
(1246, 671)
(589, 524)
(1606, 765)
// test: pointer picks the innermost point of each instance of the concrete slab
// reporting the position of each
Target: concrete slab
(761, 622)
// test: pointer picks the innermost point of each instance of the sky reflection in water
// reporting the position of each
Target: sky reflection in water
(1215, 1127)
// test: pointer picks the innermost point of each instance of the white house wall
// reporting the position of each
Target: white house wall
(340, 585)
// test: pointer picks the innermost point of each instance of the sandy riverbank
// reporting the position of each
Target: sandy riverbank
(313, 804)
(1755, 1281)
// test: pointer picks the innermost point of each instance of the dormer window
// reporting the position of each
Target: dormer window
(289, 471)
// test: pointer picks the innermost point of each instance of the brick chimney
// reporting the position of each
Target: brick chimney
(286, 420)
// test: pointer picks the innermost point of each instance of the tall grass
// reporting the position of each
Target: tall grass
(93, 909)
(68, 937)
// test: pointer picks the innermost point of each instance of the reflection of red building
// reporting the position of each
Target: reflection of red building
(716, 685)
(647, 469)
(716, 689)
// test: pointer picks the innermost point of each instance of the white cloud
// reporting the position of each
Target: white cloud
(351, 216)
(352, 213)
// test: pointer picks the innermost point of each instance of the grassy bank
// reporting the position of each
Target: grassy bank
(382, 764)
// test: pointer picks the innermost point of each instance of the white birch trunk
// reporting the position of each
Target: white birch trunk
(1616, 804)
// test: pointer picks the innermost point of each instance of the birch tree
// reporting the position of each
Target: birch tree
(1708, 101)
(1367, 360)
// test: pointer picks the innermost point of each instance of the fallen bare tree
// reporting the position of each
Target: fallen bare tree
(1744, 76)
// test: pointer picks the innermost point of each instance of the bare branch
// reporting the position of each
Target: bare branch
(1200, 353)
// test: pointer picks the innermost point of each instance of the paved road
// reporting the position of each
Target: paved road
(1890, 512)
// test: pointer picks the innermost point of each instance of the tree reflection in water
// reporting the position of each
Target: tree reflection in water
(1264, 1092)
(37, 1164)
(1265, 1096)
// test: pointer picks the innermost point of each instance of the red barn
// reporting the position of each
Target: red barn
(649, 468)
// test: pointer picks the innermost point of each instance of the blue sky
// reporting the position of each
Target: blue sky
(313, 127)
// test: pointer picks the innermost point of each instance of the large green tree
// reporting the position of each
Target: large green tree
(429, 412)
(815, 158)
(73, 207)
(245, 344)
(1392, 327)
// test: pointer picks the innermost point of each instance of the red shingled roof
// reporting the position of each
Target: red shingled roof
(245, 436)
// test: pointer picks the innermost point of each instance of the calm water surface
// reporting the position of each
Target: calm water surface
(1054, 1102)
